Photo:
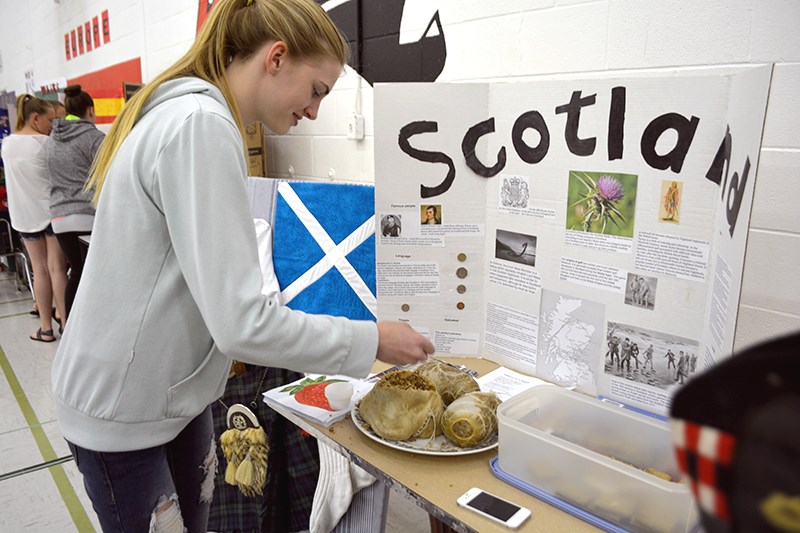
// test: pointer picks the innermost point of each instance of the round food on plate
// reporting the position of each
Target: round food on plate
(471, 419)
(403, 405)
(449, 380)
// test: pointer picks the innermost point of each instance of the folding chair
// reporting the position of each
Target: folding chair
(9, 250)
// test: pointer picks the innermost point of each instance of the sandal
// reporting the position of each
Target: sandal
(35, 312)
(40, 334)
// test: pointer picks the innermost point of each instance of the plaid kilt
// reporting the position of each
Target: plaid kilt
(292, 464)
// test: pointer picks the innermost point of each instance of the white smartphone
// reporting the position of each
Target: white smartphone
(509, 514)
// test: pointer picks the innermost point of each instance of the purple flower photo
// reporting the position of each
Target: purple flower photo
(601, 202)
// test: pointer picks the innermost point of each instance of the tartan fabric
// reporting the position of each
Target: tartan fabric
(292, 465)
(293, 460)
(706, 455)
(736, 438)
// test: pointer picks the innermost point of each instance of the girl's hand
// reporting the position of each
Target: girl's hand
(399, 344)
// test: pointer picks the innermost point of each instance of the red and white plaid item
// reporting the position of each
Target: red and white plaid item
(705, 454)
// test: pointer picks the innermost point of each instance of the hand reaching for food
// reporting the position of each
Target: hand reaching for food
(399, 344)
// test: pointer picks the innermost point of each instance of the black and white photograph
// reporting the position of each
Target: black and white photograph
(640, 291)
(651, 357)
(516, 247)
(391, 225)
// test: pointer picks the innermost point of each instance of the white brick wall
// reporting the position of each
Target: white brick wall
(501, 40)
(677, 33)
(783, 111)
(777, 184)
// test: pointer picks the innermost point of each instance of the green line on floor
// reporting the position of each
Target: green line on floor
(28, 299)
(68, 495)
(26, 428)
(15, 314)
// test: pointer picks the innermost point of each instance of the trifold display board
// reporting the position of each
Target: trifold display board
(587, 231)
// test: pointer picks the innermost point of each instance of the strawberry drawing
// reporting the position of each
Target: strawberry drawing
(312, 392)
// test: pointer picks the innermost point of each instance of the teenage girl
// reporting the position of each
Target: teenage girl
(171, 289)
(28, 187)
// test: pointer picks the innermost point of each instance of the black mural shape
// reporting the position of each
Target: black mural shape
(374, 37)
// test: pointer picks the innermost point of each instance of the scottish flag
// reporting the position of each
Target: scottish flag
(324, 248)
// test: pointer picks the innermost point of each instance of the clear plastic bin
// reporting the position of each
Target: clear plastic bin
(581, 450)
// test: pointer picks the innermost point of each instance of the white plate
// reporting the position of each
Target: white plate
(438, 446)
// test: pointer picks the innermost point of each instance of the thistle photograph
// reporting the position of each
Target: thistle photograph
(601, 202)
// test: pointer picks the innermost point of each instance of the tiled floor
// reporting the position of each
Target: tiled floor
(52, 500)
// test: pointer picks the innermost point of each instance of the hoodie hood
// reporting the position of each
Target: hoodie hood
(67, 130)
(178, 87)
(69, 152)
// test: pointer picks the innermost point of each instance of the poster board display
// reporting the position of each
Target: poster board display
(589, 231)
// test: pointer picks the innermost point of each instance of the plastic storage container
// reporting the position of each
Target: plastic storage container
(581, 450)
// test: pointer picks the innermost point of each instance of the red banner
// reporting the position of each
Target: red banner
(106, 27)
(96, 31)
(203, 9)
(80, 39)
(87, 28)
(106, 87)
(66, 46)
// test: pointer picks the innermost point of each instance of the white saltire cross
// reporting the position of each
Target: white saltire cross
(335, 254)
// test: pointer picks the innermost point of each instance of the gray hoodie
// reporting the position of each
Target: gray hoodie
(70, 151)
(171, 289)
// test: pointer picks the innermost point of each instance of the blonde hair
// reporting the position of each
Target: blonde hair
(234, 29)
(27, 105)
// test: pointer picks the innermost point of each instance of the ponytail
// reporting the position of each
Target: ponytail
(21, 99)
(27, 105)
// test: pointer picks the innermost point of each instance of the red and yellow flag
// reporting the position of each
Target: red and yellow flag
(106, 87)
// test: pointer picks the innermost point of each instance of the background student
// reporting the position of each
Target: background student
(60, 109)
(28, 189)
(69, 153)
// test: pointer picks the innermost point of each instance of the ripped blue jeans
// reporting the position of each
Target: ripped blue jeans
(162, 489)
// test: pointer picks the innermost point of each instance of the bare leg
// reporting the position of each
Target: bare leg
(57, 267)
(37, 250)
